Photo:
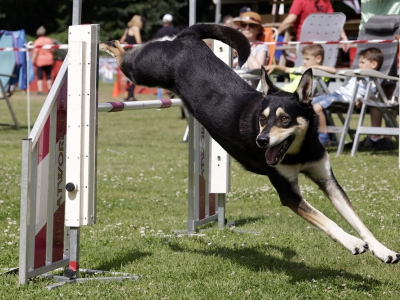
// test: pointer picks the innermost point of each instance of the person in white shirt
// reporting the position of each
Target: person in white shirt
(370, 58)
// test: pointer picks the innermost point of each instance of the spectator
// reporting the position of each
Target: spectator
(369, 9)
(227, 21)
(43, 59)
(132, 36)
(313, 57)
(370, 58)
(167, 29)
(243, 10)
(251, 27)
(300, 10)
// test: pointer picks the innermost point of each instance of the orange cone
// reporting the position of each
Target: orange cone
(115, 92)
(117, 89)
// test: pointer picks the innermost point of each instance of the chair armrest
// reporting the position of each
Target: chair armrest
(320, 73)
(378, 104)
(248, 76)
(346, 72)
(254, 72)
(375, 74)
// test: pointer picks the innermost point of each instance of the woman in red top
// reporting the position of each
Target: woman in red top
(43, 59)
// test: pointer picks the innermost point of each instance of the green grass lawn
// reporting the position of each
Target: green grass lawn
(142, 198)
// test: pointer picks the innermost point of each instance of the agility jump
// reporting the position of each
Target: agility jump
(59, 159)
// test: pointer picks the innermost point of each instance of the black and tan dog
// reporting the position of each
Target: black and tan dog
(272, 133)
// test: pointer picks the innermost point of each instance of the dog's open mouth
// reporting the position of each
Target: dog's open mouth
(275, 154)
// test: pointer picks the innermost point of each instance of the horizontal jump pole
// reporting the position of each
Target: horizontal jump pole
(136, 105)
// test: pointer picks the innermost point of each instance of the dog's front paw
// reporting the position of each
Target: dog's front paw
(354, 244)
(360, 250)
(384, 254)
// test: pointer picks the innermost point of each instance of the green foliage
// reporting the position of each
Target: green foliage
(113, 16)
(142, 198)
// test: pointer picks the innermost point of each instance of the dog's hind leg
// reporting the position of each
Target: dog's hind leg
(322, 175)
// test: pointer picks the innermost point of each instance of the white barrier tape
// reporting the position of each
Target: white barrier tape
(331, 42)
(65, 46)
(30, 47)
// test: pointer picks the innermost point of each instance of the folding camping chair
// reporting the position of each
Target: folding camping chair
(381, 27)
(322, 27)
(319, 27)
(7, 65)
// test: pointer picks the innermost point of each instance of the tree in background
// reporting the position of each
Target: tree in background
(112, 16)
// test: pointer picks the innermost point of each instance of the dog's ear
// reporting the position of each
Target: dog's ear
(266, 83)
(304, 90)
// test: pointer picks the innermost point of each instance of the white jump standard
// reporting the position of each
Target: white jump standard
(59, 166)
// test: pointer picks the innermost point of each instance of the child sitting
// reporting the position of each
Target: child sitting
(313, 56)
(370, 58)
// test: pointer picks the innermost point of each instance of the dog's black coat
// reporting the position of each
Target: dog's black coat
(229, 110)
(244, 121)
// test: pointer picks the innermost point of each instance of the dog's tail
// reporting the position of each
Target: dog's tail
(227, 35)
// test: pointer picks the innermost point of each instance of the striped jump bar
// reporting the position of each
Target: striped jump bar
(136, 105)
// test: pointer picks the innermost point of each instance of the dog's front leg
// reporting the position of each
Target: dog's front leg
(323, 176)
(290, 196)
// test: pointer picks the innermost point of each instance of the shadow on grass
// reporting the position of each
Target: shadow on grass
(121, 259)
(259, 261)
(347, 150)
(232, 221)
(244, 221)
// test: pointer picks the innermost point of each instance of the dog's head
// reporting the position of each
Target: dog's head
(284, 118)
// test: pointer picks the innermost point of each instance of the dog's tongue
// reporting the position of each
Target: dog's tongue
(271, 152)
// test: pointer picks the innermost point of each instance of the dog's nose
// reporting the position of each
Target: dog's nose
(262, 141)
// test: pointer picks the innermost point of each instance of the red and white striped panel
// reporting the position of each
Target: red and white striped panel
(48, 167)
(41, 195)
(60, 161)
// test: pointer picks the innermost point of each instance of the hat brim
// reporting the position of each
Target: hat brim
(237, 21)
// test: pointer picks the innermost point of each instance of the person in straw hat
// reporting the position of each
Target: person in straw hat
(251, 27)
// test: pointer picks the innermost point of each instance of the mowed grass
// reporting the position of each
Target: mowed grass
(142, 198)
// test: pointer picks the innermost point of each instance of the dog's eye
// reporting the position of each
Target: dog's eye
(284, 119)
(263, 120)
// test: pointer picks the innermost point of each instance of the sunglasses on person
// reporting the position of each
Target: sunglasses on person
(251, 25)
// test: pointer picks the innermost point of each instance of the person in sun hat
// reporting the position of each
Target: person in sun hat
(167, 29)
(251, 27)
